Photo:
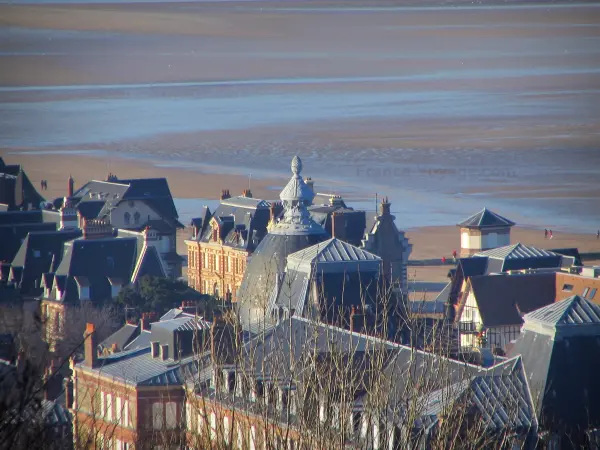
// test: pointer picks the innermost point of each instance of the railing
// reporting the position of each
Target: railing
(468, 327)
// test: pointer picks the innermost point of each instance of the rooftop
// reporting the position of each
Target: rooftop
(486, 219)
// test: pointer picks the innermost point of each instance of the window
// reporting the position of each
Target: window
(36, 253)
(171, 415)
(226, 429)
(102, 405)
(200, 423)
(136, 218)
(213, 425)
(229, 264)
(127, 218)
(109, 414)
(585, 292)
(567, 287)
(157, 415)
(592, 294)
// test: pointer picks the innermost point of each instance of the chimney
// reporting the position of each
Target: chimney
(71, 185)
(154, 348)
(68, 215)
(338, 226)
(68, 383)
(310, 183)
(225, 194)
(146, 320)
(96, 229)
(247, 193)
(385, 207)
(357, 320)
(164, 352)
(90, 346)
(150, 235)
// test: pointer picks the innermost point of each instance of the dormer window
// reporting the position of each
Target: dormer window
(127, 218)
(136, 218)
(215, 234)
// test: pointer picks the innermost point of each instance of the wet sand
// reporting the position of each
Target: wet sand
(445, 110)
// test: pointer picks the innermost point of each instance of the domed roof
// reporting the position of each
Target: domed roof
(297, 190)
(294, 232)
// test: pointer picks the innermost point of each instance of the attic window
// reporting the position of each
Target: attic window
(36, 254)
(585, 291)
(592, 294)
(567, 287)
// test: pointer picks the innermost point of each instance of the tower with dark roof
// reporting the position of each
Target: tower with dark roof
(294, 231)
(483, 231)
(560, 347)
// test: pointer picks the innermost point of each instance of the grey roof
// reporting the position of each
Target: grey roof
(249, 219)
(141, 341)
(574, 312)
(516, 251)
(502, 299)
(154, 191)
(562, 369)
(138, 368)
(486, 218)
(182, 323)
(266, 264)
(332, 251)
(122, 337)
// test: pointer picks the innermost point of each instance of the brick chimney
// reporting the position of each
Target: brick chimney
(247, 193)
(357, 320)
(70, 187)
(97, 229)
(146, 320)
(90, 346)
(68, 215)
(68, 383)
(225, 194)
(338, 226)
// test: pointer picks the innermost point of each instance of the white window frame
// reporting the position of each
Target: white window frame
(109, 414)
(158, 415)
(171, 415)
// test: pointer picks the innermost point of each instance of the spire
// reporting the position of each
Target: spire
(296, 196)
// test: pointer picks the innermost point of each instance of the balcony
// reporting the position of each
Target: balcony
(468, 327)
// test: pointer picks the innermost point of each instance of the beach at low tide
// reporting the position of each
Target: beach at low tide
(444, 110)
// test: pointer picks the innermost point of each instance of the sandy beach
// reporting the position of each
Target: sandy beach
(443, 109)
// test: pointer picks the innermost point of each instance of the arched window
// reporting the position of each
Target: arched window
(136, 218)
(127, 218)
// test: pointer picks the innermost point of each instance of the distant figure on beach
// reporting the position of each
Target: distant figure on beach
(443, 260)
(44, 184)
(550, 234)
(545, 233)
(598, 235)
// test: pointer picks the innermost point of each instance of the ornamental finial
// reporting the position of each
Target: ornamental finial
(296, 165)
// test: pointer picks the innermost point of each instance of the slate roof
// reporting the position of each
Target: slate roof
(574, 312)
(15, 187)
(332, 251)
(148, 263)
(503, 299)
(516, 251)
(243, 222)
(154, 191)
(562, 367)
(500, 395)
(13, 234)
(486, 219)
(142, 341)
(122, 337)
(519, 257)
(40, 252)
(491, 390)
(138, 368)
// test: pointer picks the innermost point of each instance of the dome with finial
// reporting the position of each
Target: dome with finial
(296, 189)
(295, 231)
